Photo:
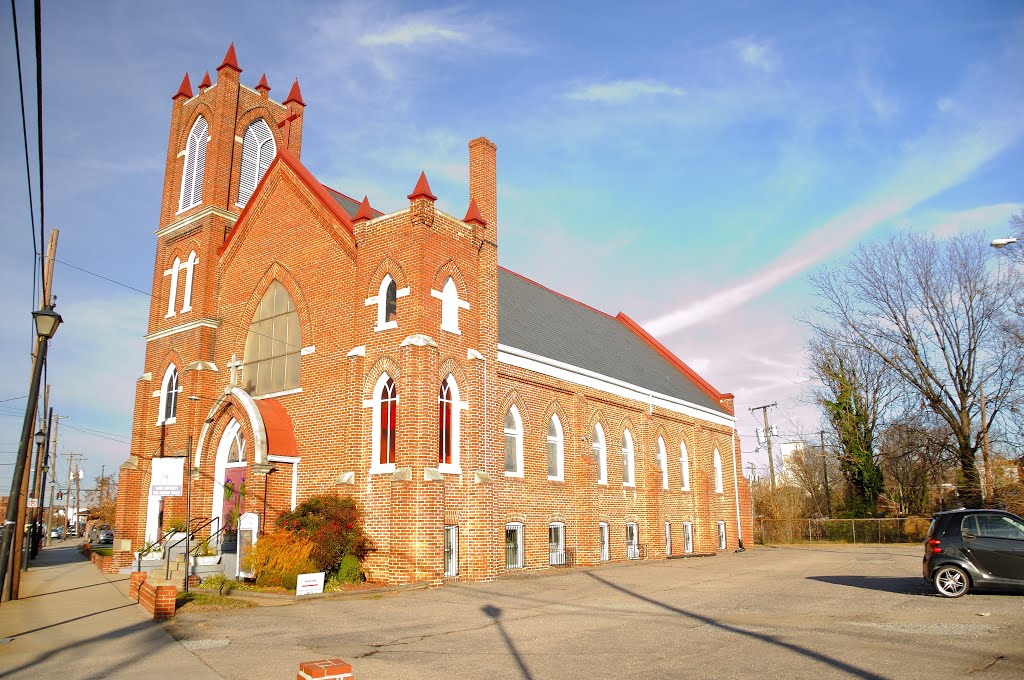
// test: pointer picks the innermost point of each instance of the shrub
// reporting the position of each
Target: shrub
(277, 559)
(350, 570)
(333, 526)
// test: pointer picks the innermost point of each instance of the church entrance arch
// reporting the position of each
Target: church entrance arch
(230, 474)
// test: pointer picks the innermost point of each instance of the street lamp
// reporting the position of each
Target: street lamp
(1002, 242)
(46, 321)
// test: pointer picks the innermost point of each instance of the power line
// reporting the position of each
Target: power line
(39, 133)
(14, 398)
(100, 276)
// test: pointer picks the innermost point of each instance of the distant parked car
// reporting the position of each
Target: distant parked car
(105, 537)
(974, 549)
(94, 532)
(56, 532)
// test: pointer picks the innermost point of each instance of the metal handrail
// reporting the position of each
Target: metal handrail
(207, 539)
(190, 532)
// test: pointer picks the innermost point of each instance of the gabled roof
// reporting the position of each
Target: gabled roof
(540, 321)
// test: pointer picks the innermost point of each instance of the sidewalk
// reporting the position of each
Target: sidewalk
(74, 622)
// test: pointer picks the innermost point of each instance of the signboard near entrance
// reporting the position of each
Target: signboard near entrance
(310, 584)
(168, 478)
(248, 529)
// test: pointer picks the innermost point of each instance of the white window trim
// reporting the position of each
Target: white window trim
(601, 453)
(377, 468)
(163, 397)
(605, 550)
(189, 266)
(723, 539)
(663, 463)
(521, 547)
(684, 466)
(454, 528)
(447, 301)
(518, 419)
(687, 538)
(717, 460)
(294, 461)
(380, 300)
(172, 298)
(633, 549)
(627, 436)
(559, 450)
(458, 406)
(561, 542)
(259, 147)
(668, 539)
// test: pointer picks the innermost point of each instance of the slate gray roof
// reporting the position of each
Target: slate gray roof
(349, 205)
(536, 320)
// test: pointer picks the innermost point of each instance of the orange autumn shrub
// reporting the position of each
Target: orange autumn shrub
(277, 559)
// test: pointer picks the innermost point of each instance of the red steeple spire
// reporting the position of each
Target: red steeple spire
(230, 60)
(206, 82)
(422, 190)
(294, 94)
(263, 84)
(185, 90)
(365, 211)
(473, 214)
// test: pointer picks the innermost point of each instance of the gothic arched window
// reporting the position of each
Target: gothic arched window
(169, 396)
(195, 166)
(258, 151)
(271, 361)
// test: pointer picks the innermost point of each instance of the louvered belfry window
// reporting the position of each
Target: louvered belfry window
(258, 150)
(195, 165)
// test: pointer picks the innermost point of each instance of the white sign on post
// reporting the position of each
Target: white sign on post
(168, 478)
(310, 584)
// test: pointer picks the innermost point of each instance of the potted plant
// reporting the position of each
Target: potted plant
(205, 554)
(177, 527)
(151, 551)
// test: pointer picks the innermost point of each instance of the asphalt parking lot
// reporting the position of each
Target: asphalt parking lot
(792, 612)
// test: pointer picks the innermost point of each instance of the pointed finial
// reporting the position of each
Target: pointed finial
(206, 82)
(365, 212)
(295, 94)
(230, 60)
(263, 84)
(185, 90)
(422, 190)
(473, 214)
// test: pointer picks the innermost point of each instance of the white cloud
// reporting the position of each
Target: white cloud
(992, 218)
(621, 91)
(414, 31)
(758, 54)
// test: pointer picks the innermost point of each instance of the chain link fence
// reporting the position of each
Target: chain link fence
(819, 530)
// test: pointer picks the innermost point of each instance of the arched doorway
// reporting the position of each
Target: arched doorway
(231, 470)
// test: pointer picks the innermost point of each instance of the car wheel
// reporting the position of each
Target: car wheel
(950, 581)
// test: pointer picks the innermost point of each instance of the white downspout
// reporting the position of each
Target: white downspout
(736, 486)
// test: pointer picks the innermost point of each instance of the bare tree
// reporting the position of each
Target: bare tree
(935, 313)
(915, 457)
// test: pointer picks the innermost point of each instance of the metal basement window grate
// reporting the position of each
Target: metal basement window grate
(632, 542)
(556, 544)
(514, 546)
(451, 551)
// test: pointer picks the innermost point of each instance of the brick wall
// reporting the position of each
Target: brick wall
(158, 599)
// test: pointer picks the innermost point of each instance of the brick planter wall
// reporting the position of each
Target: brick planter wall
(325, 669)
(158, 600)
(136, 580)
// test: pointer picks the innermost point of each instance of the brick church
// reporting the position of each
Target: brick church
(302, 342)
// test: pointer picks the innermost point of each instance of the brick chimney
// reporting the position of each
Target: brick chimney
(483, 183)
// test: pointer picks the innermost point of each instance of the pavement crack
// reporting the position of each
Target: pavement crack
(990, 664)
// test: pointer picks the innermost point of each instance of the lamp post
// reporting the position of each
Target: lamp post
(1003, 242)
(46, 321)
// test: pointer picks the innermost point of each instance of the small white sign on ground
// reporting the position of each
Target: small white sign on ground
(310, 584)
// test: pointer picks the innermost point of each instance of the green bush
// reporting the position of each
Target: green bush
(350, 570)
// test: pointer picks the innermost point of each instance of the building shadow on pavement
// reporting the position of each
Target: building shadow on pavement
(901, 585)
(762, 637)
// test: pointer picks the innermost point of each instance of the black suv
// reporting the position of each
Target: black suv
(974, 549)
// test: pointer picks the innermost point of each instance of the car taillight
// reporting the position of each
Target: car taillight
(933, 543)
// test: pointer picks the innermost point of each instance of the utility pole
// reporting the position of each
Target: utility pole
(768, 438)
(824, 469)
(55, 419)
(78, 497)
(67, 496)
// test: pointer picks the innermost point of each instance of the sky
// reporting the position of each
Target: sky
(686, 163)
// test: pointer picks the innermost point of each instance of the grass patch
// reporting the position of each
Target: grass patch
(193, 601)
(102, 552)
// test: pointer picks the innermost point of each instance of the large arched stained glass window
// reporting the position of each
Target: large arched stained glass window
(271, 361)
